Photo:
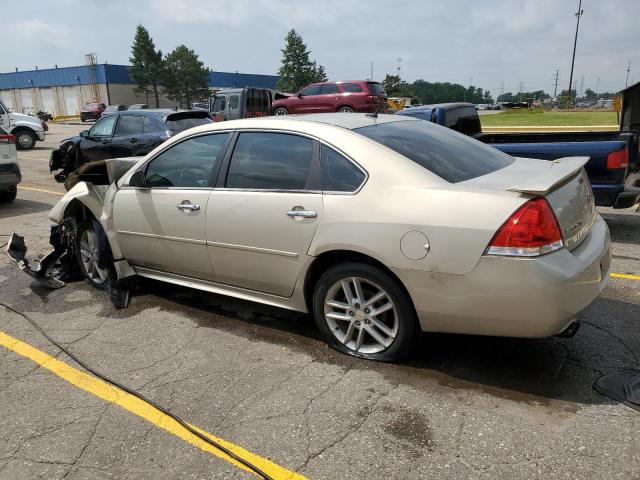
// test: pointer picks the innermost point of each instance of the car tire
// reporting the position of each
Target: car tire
(93, 254)
(280, 111)
(9, 195)
(345, 109)
(25, 140)
(350, 325)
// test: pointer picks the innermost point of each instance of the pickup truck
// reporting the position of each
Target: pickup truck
(27, 129)
(613, 166)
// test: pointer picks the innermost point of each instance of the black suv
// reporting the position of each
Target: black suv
(130, 133)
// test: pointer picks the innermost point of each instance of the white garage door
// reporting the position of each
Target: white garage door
(27, 100)
(7, 99)
(70, 101)
(48, 103)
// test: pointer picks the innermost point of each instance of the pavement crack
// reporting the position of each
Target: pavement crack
(621, 341)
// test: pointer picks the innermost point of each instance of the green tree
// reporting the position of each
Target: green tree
(319, 75)
(395, 86)
(146, 63)
(296, 70)
(185, 77)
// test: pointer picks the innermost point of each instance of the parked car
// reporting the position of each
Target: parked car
(200, 106)
(10, 175)
(138, 106)
(236, 103)
(325, 97)
(92, 111)
(122, 134)
(363, 220)
(26, 128)
(113, 109)
(613, 166)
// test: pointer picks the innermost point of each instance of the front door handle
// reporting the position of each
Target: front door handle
(133, 140)
(187, 205)
(302, 213)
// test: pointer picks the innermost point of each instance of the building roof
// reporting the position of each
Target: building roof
(108, 73)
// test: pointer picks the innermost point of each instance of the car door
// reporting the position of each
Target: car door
(235, 107)
(128, 138)
(308, 99)
(329, 99)
(161, 226)
(264, 212)
(97, 144)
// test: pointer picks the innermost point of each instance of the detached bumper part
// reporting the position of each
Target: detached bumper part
(45, 270)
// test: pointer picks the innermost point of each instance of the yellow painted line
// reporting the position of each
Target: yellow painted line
(625, 275)
(32, 189)
(142, 409)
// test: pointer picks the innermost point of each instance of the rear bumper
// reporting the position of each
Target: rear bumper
(10, 176)
(514, 297)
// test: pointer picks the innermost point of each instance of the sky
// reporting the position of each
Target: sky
(486, 42)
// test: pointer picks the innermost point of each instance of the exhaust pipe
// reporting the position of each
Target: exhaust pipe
(570, 331)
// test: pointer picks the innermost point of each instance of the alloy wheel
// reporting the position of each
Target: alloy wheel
(361, 315)
(89, 254)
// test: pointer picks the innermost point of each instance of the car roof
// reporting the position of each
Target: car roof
(444, 106)
(349, 121)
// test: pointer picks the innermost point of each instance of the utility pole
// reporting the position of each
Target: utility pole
(597, 87)
(578, 14)
(555, 88)
(399, 60)
(371, 76)
(581, 86)
(626, 83)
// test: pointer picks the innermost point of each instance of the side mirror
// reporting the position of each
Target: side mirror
(299, 94)
(138, 180)
(84, 133)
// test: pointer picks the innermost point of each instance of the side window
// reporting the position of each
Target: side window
(219, 103)
(150, 125)
(270, 161)
(312, 90)
(328, 88)
(351, 88)
(338, 173)
(188, 164)
(234, 102)
(103, 127)
(130, 125)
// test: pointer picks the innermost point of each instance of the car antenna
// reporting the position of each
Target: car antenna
(374, 114)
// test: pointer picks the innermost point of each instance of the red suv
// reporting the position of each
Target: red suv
(348, 96)
(92, 111)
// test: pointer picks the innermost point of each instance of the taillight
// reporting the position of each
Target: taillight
(11, 139)
(618, 159)
(531, 231)
(372, 98)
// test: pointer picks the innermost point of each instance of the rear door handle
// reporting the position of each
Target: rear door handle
(187, 205)
(302, 213)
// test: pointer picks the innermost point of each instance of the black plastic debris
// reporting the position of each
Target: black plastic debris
(622, 386)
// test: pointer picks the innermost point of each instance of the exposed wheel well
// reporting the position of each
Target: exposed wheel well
(78, 211)
(22, 128)
(328, 259)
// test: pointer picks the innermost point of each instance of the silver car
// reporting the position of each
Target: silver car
(381, 226)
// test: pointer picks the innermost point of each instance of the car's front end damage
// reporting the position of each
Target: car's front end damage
(90, 192)
(65, 158)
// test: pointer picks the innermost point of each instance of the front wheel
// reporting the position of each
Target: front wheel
(345, 109)
(360, 310)
(93, 254)
(25, 140)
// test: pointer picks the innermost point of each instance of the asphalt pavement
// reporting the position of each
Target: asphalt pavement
(461, 407)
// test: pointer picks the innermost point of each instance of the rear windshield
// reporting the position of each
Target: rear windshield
(376, 89)
(178, 124)
(450, 155)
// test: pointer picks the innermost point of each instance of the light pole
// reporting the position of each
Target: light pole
(578, 14)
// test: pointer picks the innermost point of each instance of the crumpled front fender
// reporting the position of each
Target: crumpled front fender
(91, 196)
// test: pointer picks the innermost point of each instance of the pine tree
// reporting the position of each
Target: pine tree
(319, 75)
(296, 70)
(185, 77)
(146, 63)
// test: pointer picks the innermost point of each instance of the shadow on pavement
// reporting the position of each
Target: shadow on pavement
(22, 207)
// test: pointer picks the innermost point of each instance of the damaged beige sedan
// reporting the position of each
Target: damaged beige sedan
(381, 226)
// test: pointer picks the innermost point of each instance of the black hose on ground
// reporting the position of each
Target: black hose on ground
(116, 384)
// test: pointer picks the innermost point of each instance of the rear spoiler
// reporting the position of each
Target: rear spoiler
(188, 114)
(559, 170)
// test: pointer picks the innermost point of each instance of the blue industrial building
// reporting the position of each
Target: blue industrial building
(63, 91)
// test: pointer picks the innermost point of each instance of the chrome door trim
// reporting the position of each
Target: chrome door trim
(163, 237)
(248, 248)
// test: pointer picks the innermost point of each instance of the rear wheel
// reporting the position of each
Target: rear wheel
(281, 111)
(9, 195)
(345, 109)
(25, 140)
(362, 311)
(93, 254)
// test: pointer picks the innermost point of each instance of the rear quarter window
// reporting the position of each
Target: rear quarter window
(450, 155)
(351, 88)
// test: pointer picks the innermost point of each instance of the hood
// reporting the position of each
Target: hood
(21, 117)
(75, 139)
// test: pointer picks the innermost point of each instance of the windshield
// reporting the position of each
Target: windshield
(183, 123)
(450, 155)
